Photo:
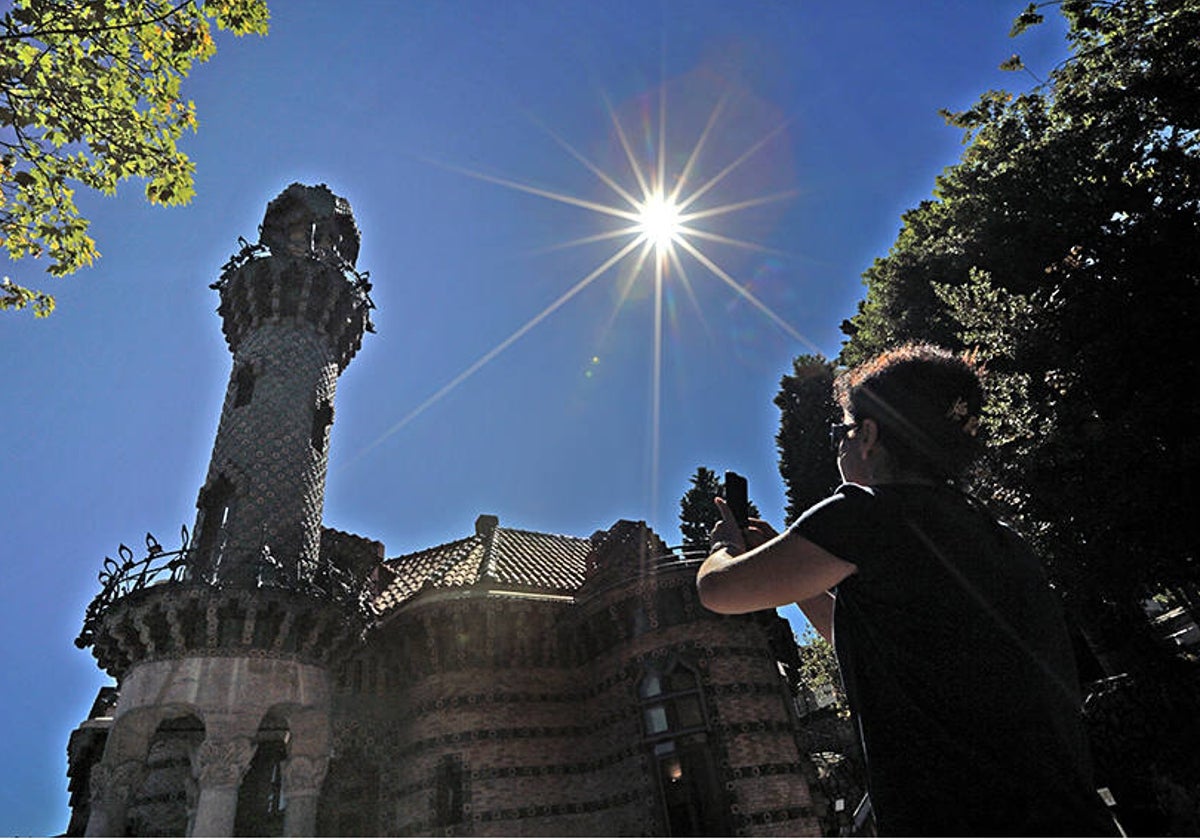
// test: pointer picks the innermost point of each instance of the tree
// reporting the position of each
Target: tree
(829, 736)
(806, 408)
(1064, 246)
(697, 512)
(91, 96)
(819, 673)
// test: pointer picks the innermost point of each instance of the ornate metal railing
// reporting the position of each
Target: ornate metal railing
(119, 579)
(129, 575)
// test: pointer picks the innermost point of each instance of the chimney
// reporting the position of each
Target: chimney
(485, 525)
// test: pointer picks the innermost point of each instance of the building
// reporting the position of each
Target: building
(275, 677)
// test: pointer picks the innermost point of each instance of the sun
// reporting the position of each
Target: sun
(673, 225)
(659, 222)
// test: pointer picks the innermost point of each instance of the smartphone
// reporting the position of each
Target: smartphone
(737, 497)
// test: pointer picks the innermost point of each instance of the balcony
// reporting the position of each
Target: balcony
(167, 605)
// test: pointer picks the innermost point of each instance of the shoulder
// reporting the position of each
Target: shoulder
(846, 497)
(849, 503)
(848, 523)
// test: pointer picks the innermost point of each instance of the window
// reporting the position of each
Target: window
(448, 792)
(158, 806)
(671, 702)
(674, 725)
(322, 420)
(216, 505)
(260, 804)
(243, 386)
(349, 801)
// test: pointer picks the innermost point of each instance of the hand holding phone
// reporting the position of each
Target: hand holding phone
(737, 497)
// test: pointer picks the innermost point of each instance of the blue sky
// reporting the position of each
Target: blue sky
(111, 405)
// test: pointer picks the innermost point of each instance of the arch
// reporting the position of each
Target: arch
(307, 726)
(260, 802)
(165, 800)
(132, 730)
(128, 795)
(675, 733)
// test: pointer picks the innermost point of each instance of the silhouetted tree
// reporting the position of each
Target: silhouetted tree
(806, 408)
(697, 512)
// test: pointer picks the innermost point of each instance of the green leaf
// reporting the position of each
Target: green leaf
(1029, 17)
(94, 88)
(14, 297)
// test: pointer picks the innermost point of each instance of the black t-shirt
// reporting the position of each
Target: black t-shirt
(956, 660)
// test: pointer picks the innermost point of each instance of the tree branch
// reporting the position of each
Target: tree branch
(39, 34)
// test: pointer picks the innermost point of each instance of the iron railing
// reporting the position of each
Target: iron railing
(119, 579)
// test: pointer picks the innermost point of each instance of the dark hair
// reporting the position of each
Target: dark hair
(926, 401)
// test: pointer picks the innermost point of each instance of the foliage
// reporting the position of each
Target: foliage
(829, 736)
(1065, 245)
(697, 512)
(13, 296)
(91, 96)
(819, 670)
(806, 408)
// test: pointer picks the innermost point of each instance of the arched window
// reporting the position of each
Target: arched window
(160, 806)
(674, 726)
(260, 798)
(671, 701)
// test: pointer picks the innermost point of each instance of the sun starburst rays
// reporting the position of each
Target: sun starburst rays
(661, 228)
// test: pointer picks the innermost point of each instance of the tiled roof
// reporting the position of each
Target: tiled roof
(508, 557)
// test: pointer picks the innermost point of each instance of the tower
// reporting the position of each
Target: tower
(222, 650)
(293, 322)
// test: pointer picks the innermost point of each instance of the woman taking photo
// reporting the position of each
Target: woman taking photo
(951, 646)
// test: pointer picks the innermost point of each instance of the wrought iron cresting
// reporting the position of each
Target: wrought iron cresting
(129, 575)
(119, 579)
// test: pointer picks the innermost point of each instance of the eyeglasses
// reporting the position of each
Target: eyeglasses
(838, 432)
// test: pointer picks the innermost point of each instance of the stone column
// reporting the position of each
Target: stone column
(219, 767)
(111, 790)
(302, 777)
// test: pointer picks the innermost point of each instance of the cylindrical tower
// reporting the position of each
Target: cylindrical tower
(293, 321)
(222, 650)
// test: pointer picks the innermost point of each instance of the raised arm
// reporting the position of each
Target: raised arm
(787, 568)
(819, 612)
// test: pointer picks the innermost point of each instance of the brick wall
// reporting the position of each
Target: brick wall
(549, 739)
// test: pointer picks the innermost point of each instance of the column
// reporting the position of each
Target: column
(302, 778)
(219, 767)
(111, 789)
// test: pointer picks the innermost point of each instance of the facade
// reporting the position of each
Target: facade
(275, 677)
